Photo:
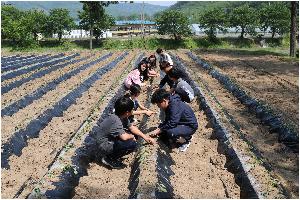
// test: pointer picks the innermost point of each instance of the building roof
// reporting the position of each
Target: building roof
(134, 22)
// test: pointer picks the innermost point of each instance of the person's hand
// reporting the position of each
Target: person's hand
(149, 112)
(154, 133)
(150, 140)
(133, 138)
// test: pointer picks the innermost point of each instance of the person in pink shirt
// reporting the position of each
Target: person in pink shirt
(136, 75)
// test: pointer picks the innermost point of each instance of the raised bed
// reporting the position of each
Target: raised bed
(19, 140)
(286, 135)
(78, 152)
(29, 98)
(19, 72)
(18, 64)
(238, 162)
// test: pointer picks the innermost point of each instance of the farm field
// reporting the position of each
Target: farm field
(246, 145)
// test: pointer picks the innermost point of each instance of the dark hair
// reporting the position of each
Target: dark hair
(135, 89)
(159, 95)
(141, 63)
(123, 104)
(159, 50)
(164, 64)
(174, 73)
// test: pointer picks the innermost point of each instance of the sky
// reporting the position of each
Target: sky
(161, 3)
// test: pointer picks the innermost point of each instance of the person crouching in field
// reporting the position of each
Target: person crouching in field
(181, 87)
(180, 121)
(136, 76)
(116, 135)
(134, 92)
(166, 67)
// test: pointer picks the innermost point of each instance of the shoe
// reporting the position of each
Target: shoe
(114, 164)
(184, 146)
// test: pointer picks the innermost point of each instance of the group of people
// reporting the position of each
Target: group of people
(117, 134)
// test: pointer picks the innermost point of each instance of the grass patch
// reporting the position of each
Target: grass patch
(277, 46)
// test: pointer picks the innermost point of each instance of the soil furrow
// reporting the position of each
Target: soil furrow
(33, 110)
(33, 85)
(282, 160)
(41, 151)
(250, 73)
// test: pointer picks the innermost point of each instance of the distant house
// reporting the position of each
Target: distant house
(80, 33)
(196, 30)
(133, 27)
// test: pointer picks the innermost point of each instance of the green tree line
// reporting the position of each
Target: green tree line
(24, 28)
(274, 17)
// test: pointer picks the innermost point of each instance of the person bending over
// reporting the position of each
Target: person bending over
(163, 56)
(134, 92)
(180, 121)
(166, 67)
(115, 137)
(181, 87)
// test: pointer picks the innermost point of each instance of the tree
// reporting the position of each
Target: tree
(294, 6)
(35, 20)
(9, 15)
(107, 22)
(211, 20)
(276, 16)
(244, 18)
(59, 20)
(93, 12)
(173, 22)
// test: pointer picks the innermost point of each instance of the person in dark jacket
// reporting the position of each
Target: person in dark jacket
(180, 121)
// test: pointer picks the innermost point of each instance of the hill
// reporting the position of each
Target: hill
(116, 10)
(193, 8)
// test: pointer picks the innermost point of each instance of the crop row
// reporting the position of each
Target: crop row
(286, 135)
(19, 140)
(18, 64)
(29, 98)
(16, 73)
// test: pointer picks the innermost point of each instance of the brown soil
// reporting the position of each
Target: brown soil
(265, 77)
(102, 182)
(21, 119)
(31, 86)
(41, 151)
(200, 172)
(283, 161)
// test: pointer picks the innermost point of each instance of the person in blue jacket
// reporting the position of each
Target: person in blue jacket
(180, 121)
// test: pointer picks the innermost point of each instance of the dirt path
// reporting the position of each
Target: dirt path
(283, 162)
(108, 183)
(265, 77)
(200, 171)
(41, 151)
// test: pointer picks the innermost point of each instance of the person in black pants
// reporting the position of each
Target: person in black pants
(115, 136)
(180, 121)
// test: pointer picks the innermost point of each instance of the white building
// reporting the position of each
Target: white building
(78, 34)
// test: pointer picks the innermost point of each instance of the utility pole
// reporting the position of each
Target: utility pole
(293, 29)
(143, 19)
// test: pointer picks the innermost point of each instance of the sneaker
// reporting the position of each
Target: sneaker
(114, 164)
(184, 146)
